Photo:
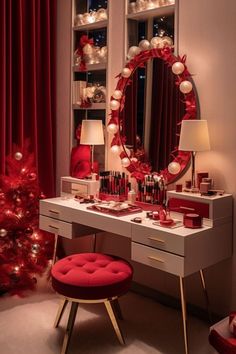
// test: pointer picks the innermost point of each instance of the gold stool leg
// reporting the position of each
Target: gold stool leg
(114, 321)
(117, 309)
(69, 328)
(60, 312)
(55, 249)
(206, 294)
(184, 314)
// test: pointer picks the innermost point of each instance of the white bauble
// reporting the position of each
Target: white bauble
(92, 17)
(156, 42)
(144, 44)
(112, 128)
(167, 41)
(88, 49)
(101, 14)
(86, 17)
(125, 162)
(117, 94)
(186, 86)
(174, 167)
(115, 149)
(126, 72)
(18, 156)
(134, 50)
(178, 68)
(114, 105)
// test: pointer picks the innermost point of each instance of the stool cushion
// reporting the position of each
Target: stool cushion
(91, 276)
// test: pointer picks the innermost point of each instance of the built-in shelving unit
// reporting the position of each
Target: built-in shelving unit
(159, 11)
(92, 74)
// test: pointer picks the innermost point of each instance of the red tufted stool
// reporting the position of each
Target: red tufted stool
(90, 278)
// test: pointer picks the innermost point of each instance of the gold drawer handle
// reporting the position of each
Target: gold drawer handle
(75, 189)
(155, 239)
(53, 211)
(156, 259)
(53, 227)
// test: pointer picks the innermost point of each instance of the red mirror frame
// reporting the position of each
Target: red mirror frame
(139, 169)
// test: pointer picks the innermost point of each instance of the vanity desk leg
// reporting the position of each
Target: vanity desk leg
(55, 248)
(206, 294)
(184, 313)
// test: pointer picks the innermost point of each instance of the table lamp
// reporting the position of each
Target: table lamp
(92, 134)
(194, 137)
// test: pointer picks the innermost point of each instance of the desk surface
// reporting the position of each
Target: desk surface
(79, 210)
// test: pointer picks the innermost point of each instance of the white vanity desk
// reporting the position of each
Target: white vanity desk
(180, 251)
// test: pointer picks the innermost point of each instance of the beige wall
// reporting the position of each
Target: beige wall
(206, 34)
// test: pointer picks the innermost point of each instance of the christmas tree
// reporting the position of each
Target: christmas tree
(24, 249)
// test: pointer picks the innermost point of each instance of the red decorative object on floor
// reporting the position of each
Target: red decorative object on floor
(24, 249)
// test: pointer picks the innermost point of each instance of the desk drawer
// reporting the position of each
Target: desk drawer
(55, 211)
(56, 226)
(159, 239)
(158, 259)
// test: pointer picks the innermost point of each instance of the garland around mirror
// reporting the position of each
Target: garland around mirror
(138, 56)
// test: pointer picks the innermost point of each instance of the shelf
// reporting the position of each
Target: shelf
(91, 67)
(159, 11)
(94, 106)
(91, 26)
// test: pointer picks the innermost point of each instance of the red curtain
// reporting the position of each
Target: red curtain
(166, 112)
(28, 83)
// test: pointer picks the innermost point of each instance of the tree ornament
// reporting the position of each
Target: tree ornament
(114, 105)
(117, 94)
(3, 232)
(174, 167)
(32, 176)
(144, 44)
(178, 68)
(18, 155)
(28, 231)
(126, 72)
(185, 86)
(35, 248)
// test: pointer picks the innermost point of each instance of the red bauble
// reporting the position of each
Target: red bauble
(32, 176)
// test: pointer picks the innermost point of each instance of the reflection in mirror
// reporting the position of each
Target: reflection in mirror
(179, 103)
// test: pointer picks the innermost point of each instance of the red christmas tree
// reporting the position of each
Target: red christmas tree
(24, 249)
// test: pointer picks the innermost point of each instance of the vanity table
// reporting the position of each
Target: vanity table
(180, 251)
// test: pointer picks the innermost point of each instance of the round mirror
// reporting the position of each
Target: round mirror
(172, 100)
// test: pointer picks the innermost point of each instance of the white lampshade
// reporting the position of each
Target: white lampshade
(92, 132)
(194, 135)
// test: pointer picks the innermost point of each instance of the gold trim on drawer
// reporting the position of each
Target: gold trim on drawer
(156, 239)
(53, 227)
(156, 259)
(54, 211)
